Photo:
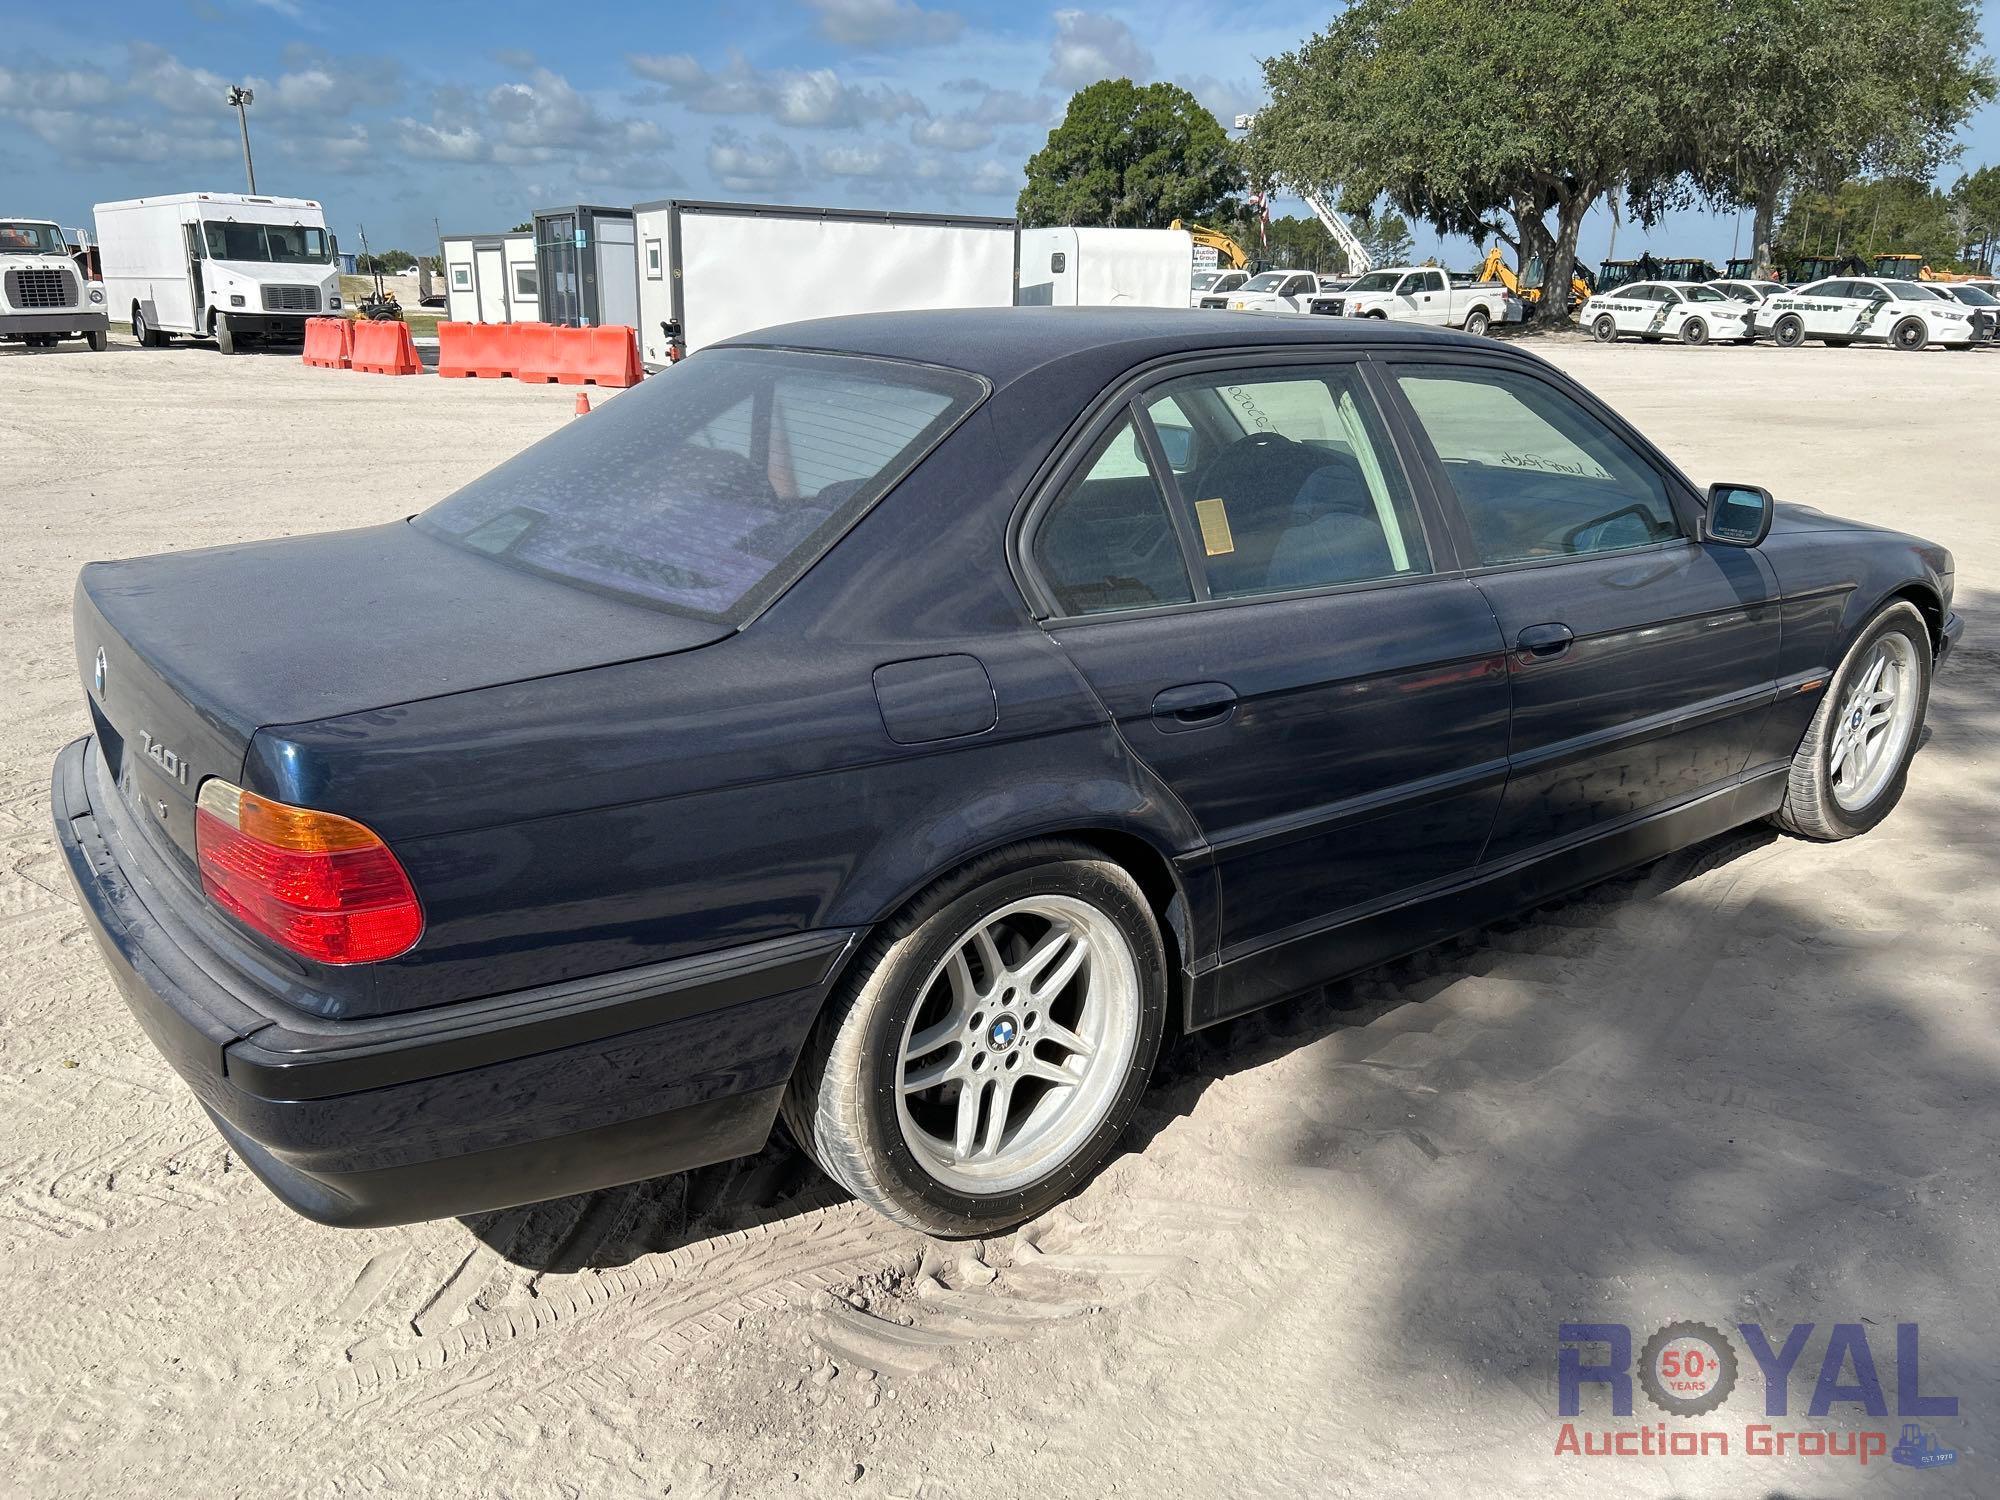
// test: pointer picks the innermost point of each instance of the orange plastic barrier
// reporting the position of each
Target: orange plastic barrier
(384, 349)
(329, 345)
(606, 357)
(486, 350)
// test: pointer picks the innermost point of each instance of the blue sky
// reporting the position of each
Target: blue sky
(476, 114)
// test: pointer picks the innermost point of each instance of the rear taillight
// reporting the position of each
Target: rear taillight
(316, 883)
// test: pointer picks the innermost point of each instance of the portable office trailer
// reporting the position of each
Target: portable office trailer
(491, 278)
(588, 268)
(1106, 267)
(708, 271)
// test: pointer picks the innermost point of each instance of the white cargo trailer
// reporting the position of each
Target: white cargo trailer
(226, 266)
(491, 278)
(1066, 267)
(708, 271)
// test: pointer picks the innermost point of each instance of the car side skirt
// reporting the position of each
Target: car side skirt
(1293, 963)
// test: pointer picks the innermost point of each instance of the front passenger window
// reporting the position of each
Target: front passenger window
(1536, 475)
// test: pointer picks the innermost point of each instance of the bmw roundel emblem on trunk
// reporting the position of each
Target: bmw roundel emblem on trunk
(98, 673)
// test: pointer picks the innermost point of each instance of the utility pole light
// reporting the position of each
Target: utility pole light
(240, 99)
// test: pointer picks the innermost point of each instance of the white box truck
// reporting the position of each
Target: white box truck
(1066, 267)
(226, 266)
(45, 296)
(708, 271)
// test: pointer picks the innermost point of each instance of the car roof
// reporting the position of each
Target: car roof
(1005, 344)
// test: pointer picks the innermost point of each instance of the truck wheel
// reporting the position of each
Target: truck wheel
(149, 338)
(991, 1042)
(1694, 331)
(1476, 322)
(1789, 331)
(225, 335)
(1851, 766)
(1910, 334)
(98, 340)
(1604, 329)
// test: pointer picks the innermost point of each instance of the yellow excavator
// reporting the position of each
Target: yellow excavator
(1229, 255)
(1906, 267)
(1495, 268)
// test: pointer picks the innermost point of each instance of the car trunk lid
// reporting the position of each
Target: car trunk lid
(185, 656)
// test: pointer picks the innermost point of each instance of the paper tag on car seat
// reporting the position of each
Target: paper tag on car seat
(1215, 535)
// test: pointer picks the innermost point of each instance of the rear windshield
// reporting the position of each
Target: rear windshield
(715, 483)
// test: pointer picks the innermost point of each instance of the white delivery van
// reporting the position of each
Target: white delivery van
(226, 266)
(45, 296)
(491, 278)
(1105, 267)
(708, 271)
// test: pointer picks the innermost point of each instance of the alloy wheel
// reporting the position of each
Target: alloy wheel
(1875, 723)
(1018, 1044)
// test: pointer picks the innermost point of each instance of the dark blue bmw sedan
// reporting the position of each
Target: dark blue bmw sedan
(896, 723)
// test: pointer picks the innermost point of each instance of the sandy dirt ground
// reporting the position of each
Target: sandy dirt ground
(1753, 1083)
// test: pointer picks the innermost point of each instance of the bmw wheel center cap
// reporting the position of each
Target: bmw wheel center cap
(1000, 1035)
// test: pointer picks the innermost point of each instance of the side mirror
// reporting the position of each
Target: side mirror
(1739, 515)
(1177, 443)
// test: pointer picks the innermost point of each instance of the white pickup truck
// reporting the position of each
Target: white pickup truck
(1268, 291)
(1423, 294)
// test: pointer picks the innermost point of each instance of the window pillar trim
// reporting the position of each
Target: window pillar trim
(1178, 510)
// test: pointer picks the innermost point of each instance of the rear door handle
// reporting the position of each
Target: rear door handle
(1545, 640)
(1197, 705)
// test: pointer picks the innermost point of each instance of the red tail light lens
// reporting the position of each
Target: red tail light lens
(318, 884)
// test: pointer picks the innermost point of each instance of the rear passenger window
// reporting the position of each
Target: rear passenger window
(1536, 475)
(1291, 482)
(1107, 542)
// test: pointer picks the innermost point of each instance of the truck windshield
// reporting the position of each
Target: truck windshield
(714, 484)
(18, 238)
(277, 244)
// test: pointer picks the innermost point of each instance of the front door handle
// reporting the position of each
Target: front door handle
(1197, 705)
(1545, 640)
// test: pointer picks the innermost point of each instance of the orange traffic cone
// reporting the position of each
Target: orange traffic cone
(583, 403)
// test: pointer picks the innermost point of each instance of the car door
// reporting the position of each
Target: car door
(1643, 661)
(1240, 568)
(1425, 293)
(1633, 308)
(1297, 292)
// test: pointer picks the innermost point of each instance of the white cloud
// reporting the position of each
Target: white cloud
(540, 119)
(813, 98)
(885, 23)
(172, 84)
(740, 165)
(953, 133)
(1088, 47)
(39, 87)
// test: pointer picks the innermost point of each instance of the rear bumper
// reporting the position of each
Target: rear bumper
(464, 1107)
(13, 325)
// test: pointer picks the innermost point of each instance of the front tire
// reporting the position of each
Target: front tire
(1789, 331)
(1694, 331)
(225, 336)
(1604, 329)
(98, 340)
(1852, 765)
(990, 1044)
(1909, 335)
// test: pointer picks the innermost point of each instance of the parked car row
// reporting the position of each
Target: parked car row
(1836, 311)
(1403, 294)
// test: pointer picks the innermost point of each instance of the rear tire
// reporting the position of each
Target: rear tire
(1476, 322)
(1789, 331)
(958, 960)
(1909, 335)
(1830, 794)
(1694, 331)
(1604, 329)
